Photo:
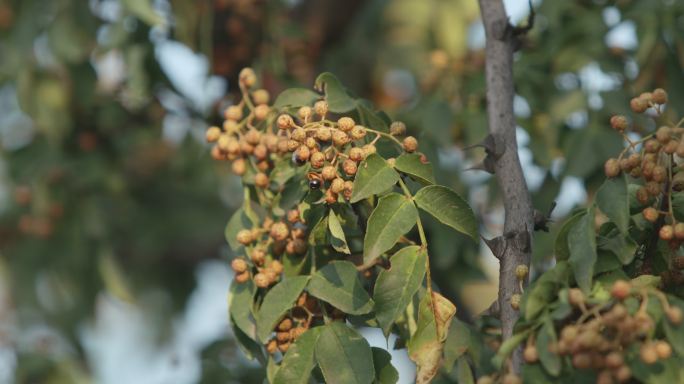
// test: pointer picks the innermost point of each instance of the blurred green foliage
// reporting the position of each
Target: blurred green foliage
(98, 198)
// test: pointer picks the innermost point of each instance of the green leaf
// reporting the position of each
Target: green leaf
(278, 301)
(427, 343)
(396, 286)
(240, 303)
(544, 290)
(338, 283)
(373, 177)
(449, 208)
(463, 372)
(344, 356)
(410, 164)
(393, 217)
(237, 222)
(675, 332)
(385, 373)
(613, 200)
(561, 246)
(249, 347)
(296, 97)
(457, 343)
(335, 94)
(143, 10)
(507, 348)
(546, 337)
(299, 360)
(582, 245)
(337, 238)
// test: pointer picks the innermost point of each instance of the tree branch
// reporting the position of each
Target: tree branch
(501, 43)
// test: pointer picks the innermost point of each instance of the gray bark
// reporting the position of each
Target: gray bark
(518, 225)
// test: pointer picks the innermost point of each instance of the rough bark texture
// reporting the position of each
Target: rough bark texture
(518, 225)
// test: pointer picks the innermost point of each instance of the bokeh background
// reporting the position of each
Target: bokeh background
(113, 262)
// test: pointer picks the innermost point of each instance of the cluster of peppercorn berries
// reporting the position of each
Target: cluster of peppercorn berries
(246, 139)
(653, 159)
(307, 312)
(265, 245)
(333, 149)
(600, 337)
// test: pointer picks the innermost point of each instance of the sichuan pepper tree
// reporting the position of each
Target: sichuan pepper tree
(332, 193)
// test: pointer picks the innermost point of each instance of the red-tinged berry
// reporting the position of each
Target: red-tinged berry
(666, 232)
(619, 123)
(621, 289)
(242, 278)
(611, 168)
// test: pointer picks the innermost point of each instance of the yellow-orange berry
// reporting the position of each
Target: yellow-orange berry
(277, 267)
(674, 315)
(340, 138)
(285, 325)
(317, 159)
(410, 144)
(304, 113)
(666, 232)
(238, 265)
(239, 167)
(258, 256)
(349, 166)
(241, 278)
(329, 172)
(619, 123)
(285, 122)
(358, 132)
(261, 111)
(663, 349)
(272, 347)
(356, 154)
(648, 353)
(611, 168)
(515, 301)
(261, 180)
(247, 77)
(323, 134)
(213, 134)
(659, 96)
(638, 105)
(233, 112)
(337, 185)
(621, 289)
(261, 280)
(346, 123)
(650, 214)
(244, 236)
(279, 231)
(321, 108)
(530, 354)
(293, 215)
(260, 96)
(397, 128)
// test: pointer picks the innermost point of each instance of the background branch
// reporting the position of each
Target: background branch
(501, 43)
